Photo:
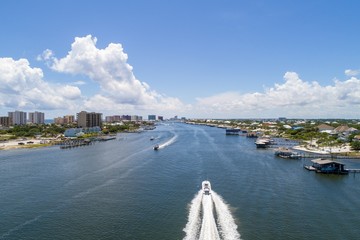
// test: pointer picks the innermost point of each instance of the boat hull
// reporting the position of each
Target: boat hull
(206, 187)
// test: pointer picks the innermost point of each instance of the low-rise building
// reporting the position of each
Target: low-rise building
(325, 128)
(76, 132)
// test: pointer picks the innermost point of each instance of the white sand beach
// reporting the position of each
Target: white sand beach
(324, 150)
(14, 144)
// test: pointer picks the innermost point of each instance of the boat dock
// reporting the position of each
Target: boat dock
(287, 153)
(333, 156)
(105, 138)
(74, 143)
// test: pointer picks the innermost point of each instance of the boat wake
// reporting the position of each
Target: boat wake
(210, 218)
(171, 141)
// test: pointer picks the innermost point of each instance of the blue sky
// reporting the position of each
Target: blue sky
(202, 59)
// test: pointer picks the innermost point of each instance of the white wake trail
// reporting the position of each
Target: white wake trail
(171, 141)
(193, 225)
(227, 226)
(210, 219)
(208, 226)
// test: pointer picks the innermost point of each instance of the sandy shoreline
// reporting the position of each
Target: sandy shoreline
(14, 144)
(324, 150)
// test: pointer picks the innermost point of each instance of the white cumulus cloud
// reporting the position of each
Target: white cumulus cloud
(351, 72)
(79, 82)
(293, 98)
(23, 87)
(46, 55)
(119, 88)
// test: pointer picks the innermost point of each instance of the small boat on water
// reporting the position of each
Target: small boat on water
(206, 187)
(156, 147)
(152, 138)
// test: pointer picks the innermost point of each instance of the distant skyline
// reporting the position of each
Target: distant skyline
(197, 59)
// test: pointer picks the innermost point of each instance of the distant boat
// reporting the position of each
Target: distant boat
(156, 147)
(206, 187)
(152, 138)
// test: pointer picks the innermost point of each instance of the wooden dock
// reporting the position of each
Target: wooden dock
(67, 144)
(331, 156)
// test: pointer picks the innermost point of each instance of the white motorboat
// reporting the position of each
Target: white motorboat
(206, 187)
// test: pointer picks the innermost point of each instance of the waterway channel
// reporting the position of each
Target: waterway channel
(123, 189)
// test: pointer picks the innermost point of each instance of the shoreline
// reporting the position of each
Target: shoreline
(14, 144)
(326, 150)
(39, 143)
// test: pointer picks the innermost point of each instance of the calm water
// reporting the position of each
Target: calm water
(123, 189)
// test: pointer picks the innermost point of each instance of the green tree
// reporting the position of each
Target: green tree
(355, 145)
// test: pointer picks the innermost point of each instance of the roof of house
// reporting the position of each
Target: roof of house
(342, 128)
(353, 129)
(323, 126)
(322, 161)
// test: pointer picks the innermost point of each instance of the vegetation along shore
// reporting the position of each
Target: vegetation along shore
(322, 136)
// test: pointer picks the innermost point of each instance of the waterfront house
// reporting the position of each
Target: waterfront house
(341, 129)
(321, 165)
(352, 130)
(232, 131)
(325, 128)
(344, 131)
